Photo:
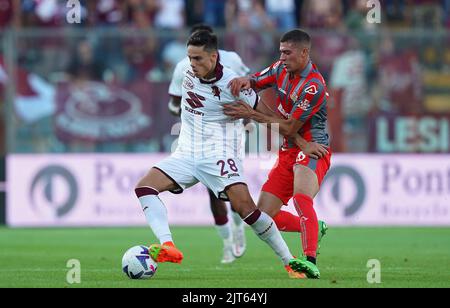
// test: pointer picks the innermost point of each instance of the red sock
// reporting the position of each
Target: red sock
(308, 224)
(287, 222)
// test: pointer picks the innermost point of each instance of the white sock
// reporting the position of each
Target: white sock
(156, 215)
(224, 231)
(267, 230)
(236, 219)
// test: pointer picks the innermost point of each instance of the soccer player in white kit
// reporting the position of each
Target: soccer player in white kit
(208, 151)
(231, 231)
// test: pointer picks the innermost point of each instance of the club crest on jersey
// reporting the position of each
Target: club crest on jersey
(188, 84)
(312, 90)
(216, 91)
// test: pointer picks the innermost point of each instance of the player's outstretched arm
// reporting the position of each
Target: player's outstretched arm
(312, 149)
(240, 110)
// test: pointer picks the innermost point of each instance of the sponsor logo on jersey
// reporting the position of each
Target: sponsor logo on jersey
(312, 90)
(193, 111)
(232, 175)
(283, 112)
(294, 96)
(304, 105)
(195, 100)
(300, 157)
(247, 92)
(188, 84)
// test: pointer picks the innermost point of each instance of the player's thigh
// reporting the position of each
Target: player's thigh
(280, 181)
(305, 181)
(309, 174)
(173, 174)
(240, 199)
(269, 203)
(156, 179)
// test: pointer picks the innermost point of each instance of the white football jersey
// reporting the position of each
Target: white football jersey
(228, 59)
(206, 131)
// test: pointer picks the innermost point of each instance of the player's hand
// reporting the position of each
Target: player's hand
(315, 150)
(238, 110)
(238, 84)
(174, 107)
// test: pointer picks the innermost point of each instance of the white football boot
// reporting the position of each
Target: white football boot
(228, 254)
(239, 240)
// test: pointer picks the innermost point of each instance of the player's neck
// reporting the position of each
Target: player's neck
(299, 72)
(211, 74)
(214, 75)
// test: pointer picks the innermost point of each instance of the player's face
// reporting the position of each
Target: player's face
(203, 62)
(294, 57)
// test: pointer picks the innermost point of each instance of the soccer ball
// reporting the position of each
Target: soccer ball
(138, 264)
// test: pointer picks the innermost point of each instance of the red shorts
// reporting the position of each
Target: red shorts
(281, 178)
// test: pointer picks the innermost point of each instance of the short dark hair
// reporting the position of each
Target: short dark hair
(203, 38)
(199, 27)
(296, 36)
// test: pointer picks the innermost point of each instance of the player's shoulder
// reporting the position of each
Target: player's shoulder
(183, 65)
(228, 74)
(315, 83)
(315, 76)
(271, 68)
(228, 56)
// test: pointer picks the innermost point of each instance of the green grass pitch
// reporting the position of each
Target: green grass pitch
(409, 257)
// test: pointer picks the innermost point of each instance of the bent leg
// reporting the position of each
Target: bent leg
(306, 186)
(147, 191)
(261, 223)
(223, 226)
(284, 220)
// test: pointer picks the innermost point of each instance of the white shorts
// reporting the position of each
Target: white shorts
(216, 174)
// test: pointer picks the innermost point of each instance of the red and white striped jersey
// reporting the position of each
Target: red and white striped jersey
(303, 97)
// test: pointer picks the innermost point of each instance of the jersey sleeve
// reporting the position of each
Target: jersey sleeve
(266, 78)
(239, 67)
(310, 101)
(177, 80)
(249, 97)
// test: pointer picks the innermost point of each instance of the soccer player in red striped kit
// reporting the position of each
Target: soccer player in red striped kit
(301, 108)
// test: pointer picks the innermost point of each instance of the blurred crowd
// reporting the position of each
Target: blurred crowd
(399, 67)
(257, 14)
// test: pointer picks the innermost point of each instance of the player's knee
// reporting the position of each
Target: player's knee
(269, 210)
(244, 206)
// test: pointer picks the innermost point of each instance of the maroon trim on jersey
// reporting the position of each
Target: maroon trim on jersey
(218, 71)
